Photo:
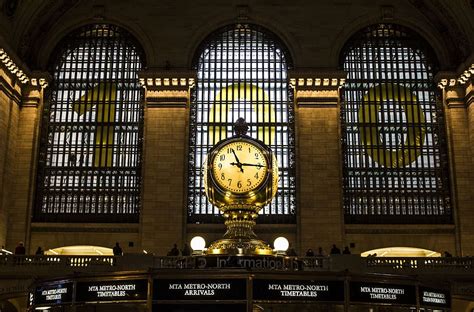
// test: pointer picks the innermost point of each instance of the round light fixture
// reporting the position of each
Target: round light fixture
(198, 243)
(281, 244)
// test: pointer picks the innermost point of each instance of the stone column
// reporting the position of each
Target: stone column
(24, 163)
(458, 99)
(167, 95)
(319, 161)
(10, 100)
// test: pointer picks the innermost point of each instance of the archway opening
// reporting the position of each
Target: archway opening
(401, 252)
(80, 250)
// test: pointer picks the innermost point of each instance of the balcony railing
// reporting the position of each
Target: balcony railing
(63, 261)
(352, 263)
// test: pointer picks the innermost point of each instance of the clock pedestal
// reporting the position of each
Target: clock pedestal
(240, 178)
(240, 238)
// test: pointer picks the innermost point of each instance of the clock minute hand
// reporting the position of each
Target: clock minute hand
(238, 164)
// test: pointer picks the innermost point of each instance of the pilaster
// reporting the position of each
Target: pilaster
(457, 89)
(24, 162)
(167, 96)
(316, 96)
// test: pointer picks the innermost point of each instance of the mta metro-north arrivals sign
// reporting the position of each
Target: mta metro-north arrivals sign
(298, 290)
(382, 293)
(115, 290)
(199, 289)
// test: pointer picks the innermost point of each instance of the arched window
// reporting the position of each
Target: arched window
(242, 72)
(90, 152)
(393, 132)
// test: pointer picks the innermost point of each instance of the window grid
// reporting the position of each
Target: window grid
(90, 152)
(242, 72)
(393, 135)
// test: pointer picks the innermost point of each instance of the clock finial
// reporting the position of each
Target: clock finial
(241, 127)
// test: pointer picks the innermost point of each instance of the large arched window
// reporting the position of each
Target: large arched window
(393, 132)
(90, 152)
(242, 72)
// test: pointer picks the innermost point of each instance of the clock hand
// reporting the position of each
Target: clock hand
(238, 161)
(238, 165)
(254, 165)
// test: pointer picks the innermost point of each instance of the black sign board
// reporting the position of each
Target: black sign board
(199, 289)
(434, 297)
(214, 307)
(115, 290)
(52, 294)
(382, 293)
(308, 290)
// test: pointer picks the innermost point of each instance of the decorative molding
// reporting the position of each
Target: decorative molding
(167, 88)
(458, 87)
(167, 79)
(13, 68)
(317, 88)
(303, 79)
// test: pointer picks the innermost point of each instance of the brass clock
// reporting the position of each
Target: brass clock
(240, 177)
(239, 167)
(240, 171)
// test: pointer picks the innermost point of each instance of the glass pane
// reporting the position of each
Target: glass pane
(90, 158)
(242, 72)
(394, 141)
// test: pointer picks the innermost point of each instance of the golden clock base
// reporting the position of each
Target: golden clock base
(239, 247)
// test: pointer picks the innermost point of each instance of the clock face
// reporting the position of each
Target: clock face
(239, 167)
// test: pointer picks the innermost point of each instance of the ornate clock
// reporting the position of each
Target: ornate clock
(240, 171)
(240, 177)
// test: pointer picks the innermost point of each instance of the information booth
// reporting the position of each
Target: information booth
(237, 290)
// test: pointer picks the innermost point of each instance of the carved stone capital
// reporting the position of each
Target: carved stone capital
(167, 88)
(458, 87)
(317, 88)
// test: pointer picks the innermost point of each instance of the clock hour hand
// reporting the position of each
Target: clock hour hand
(253, 165)
(238, 164)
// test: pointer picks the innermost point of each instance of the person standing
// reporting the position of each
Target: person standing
(39, 251)
(186, 251)
(117, 250)
(346, 251)
(335, 250)
(321, 252)
(20, 249)
(309, 253)
(174, 252)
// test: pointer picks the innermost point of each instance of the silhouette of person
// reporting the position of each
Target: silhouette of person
(39, 251)
(321, 252)
(186, 251)
(291, 252)
(20, 249)
(346, 251)
(117, 250)
(174, 252)
(447, 254)
(335, 250)
(309, 253)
